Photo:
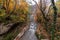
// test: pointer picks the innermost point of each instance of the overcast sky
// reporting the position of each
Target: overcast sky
(31, 2)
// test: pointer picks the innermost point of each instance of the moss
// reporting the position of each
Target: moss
(10, 36)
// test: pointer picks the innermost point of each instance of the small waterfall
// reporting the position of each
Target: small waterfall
(32, 24)
(30, 34)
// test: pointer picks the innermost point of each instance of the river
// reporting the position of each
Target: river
(30, 34)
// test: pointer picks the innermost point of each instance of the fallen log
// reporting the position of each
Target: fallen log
(8, 28)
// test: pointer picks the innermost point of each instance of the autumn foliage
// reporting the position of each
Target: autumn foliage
(14, 10)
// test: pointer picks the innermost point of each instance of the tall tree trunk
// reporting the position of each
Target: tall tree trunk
(54, 19)
(7, 6)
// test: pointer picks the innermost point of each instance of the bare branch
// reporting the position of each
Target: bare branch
(7, 6)
(48, 8)
(41, 9)
(38, 6)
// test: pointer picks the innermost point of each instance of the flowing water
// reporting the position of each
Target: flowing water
(30, 34)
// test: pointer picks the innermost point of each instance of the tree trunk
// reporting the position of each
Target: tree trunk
(54, 19)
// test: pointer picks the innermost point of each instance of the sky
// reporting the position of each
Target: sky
(31, 2)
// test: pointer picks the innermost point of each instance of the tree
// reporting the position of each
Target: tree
(54, 19)
(44, 10)
(23, 10)
(7, 6)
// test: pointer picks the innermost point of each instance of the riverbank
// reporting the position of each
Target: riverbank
(21, 33)
(13, 33)
(41, 33)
